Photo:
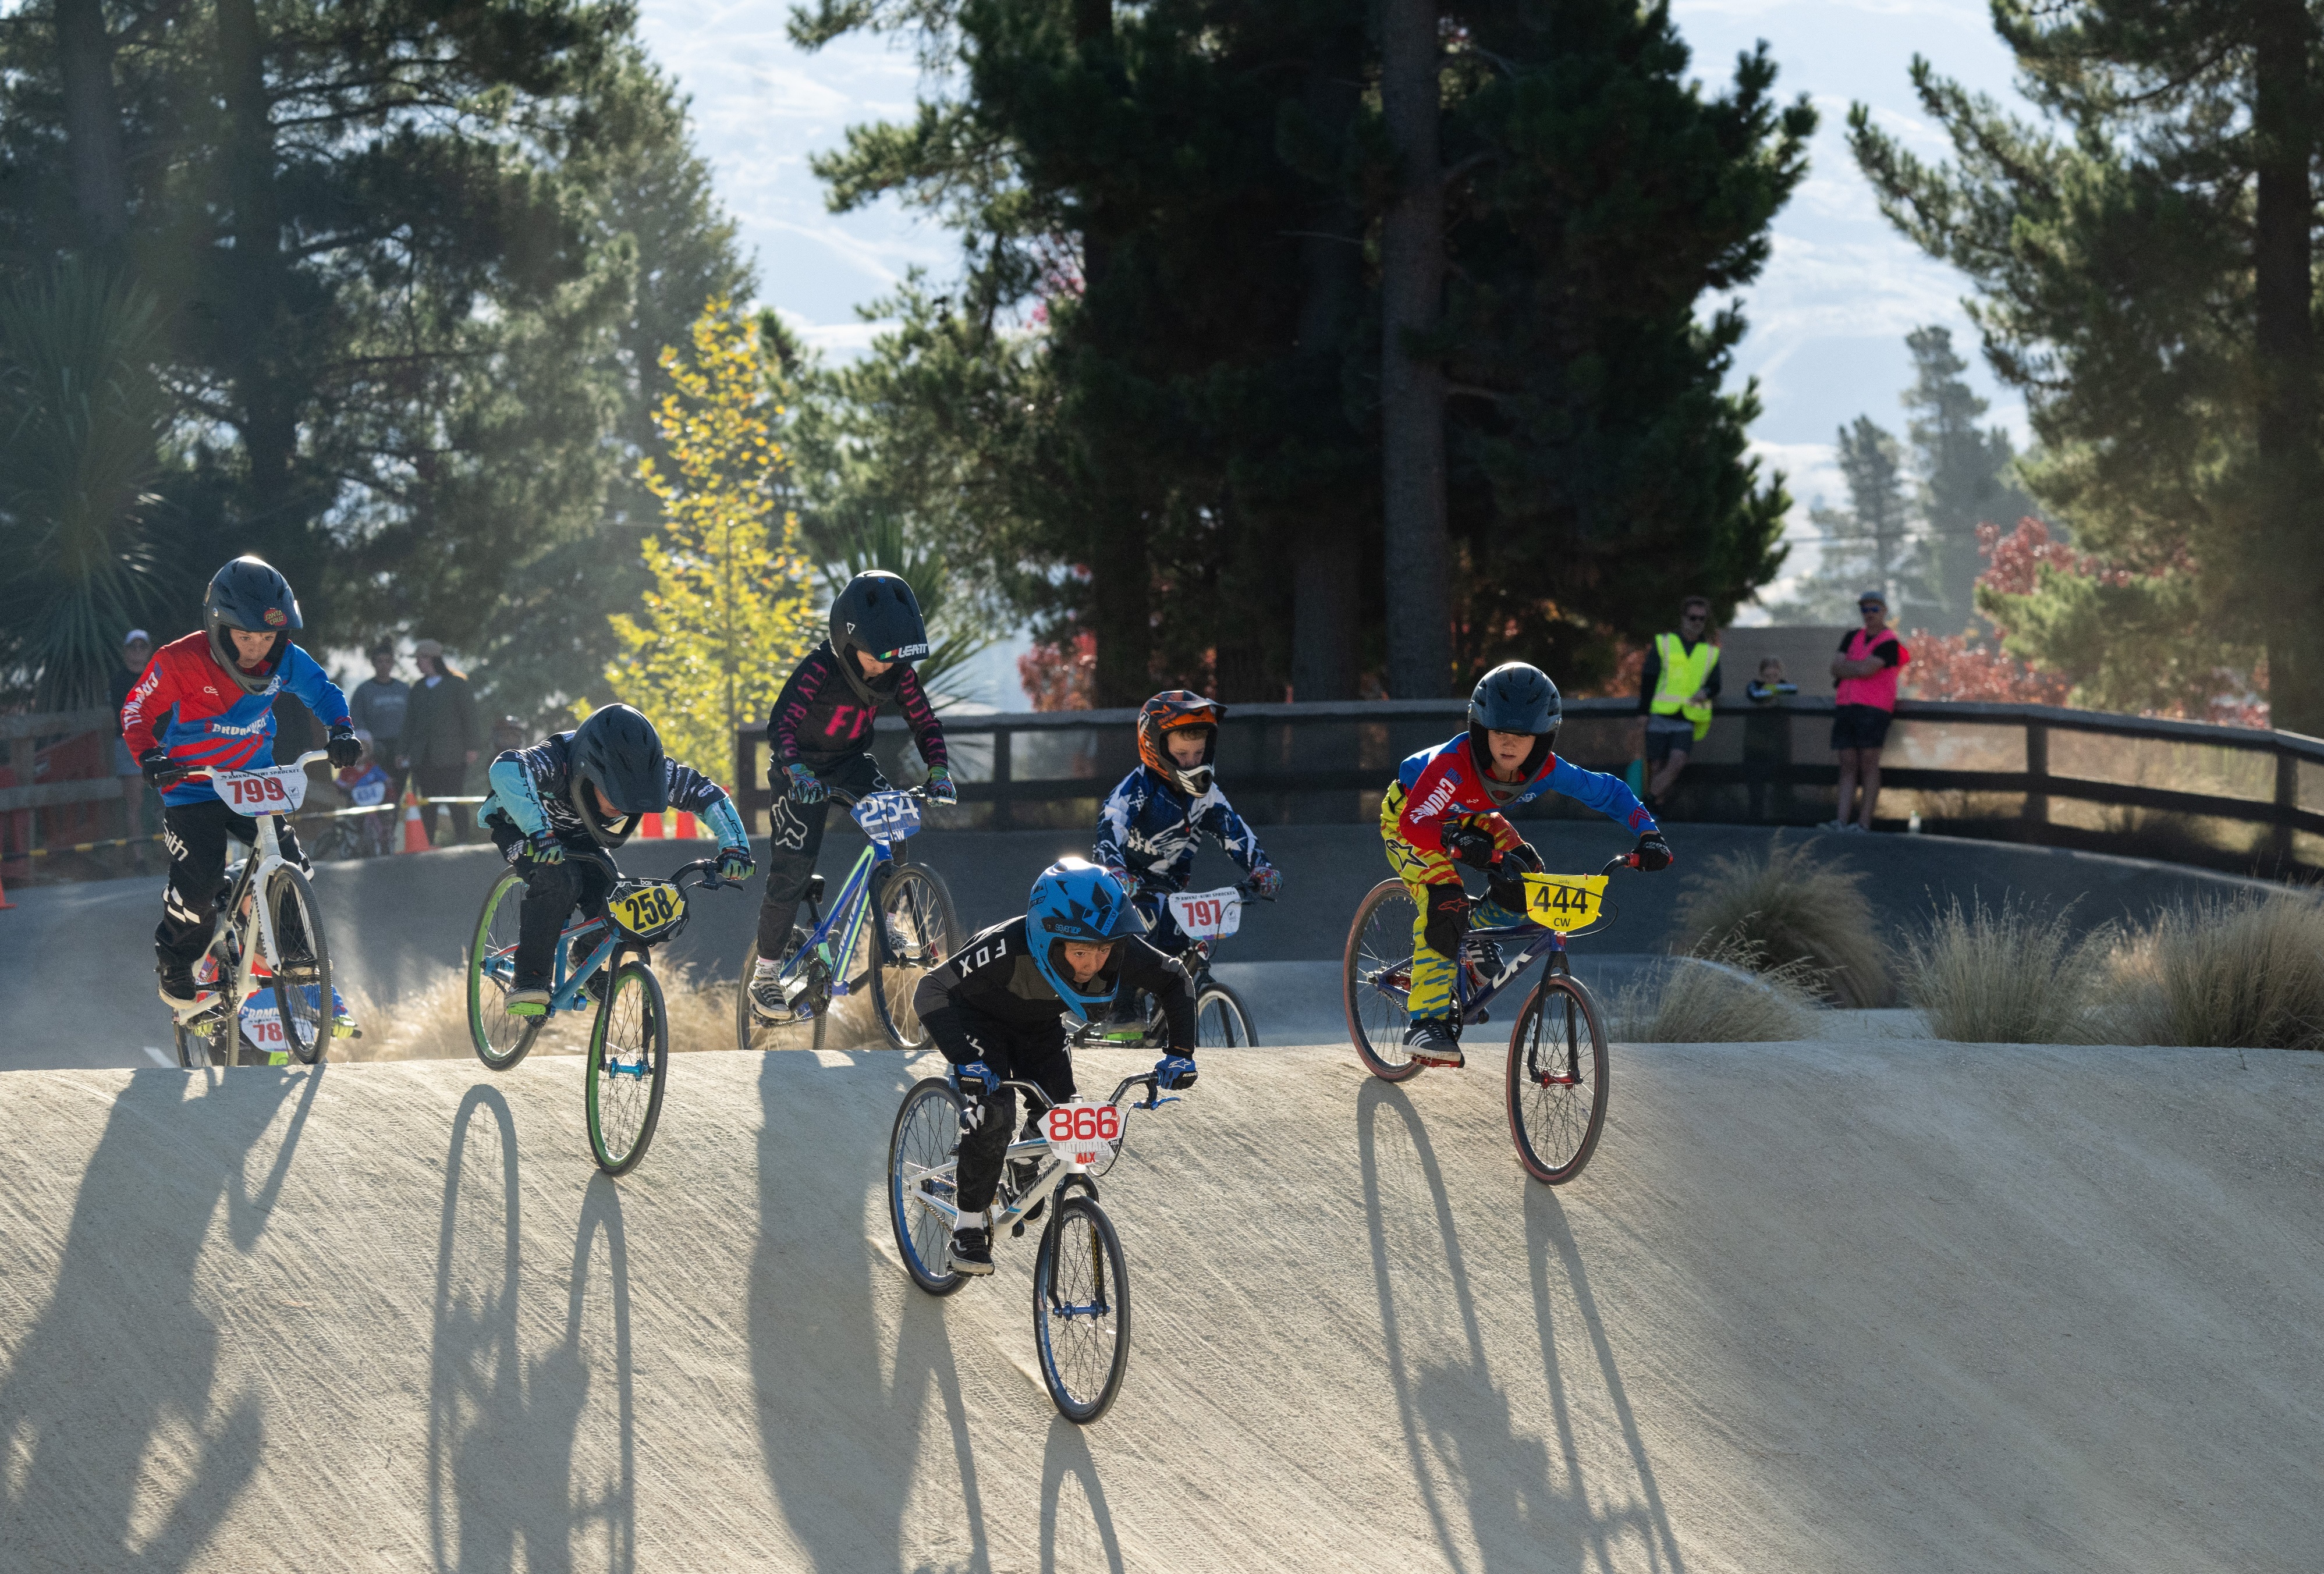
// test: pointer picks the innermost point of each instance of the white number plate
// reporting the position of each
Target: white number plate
(1208, 914)
(277, 790)
(1082, 1136)
(888, 816)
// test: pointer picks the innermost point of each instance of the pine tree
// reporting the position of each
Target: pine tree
(1869, 543)
(731, 609)
(1963, 474)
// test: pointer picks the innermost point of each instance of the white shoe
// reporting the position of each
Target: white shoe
(771, 1000)
(1853, 828)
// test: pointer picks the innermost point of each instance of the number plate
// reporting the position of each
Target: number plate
(1082, 1136)
(276, 790)
(1563, 902)
(1208, 914)
(889, 817)
(647, 908)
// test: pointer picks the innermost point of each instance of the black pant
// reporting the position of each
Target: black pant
(195, 835)
(1039, 1057)
(551, 892)
(795, 840)
(443, 781)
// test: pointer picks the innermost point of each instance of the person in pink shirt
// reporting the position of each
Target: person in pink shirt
(1870, 658)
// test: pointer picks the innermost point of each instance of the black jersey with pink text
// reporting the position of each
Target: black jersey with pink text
(825, 713)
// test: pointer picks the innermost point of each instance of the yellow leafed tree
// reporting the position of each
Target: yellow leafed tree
(731, 612)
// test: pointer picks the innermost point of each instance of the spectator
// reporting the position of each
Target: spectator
(380, 704)
(1767, 740)
(1866, 668)
(136, 650)
(1676, 688)
(439, 737)
(1770, 685)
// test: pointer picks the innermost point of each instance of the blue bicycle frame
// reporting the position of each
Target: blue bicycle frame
(887, 818)
(1469, 998)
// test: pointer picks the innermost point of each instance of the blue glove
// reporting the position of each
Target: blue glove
(807, 787)
(940, 789)
(1268, 880)
(546, 847)
(975, 1079)
(1175, 1070)
(733, 863)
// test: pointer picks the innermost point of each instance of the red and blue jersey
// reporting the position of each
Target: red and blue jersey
(1440, 787)
(189, 704)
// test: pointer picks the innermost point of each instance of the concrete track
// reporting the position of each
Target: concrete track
(1857, 1307)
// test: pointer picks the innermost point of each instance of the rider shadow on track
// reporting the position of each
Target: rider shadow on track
(110, 1456)
(1469, 1457)
(1068, 1454)
(502, 1426)
(841, 1415)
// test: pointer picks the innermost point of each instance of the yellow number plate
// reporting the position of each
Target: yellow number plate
(647, 909)
(1563, 902)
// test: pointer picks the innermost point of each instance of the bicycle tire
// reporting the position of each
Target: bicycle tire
(499, 1039)
(197, 1047)
(1222, 1021)
(750, 1034)
(912, 903)
(629, 1042)
(306, 1026)
(1557, 1085)
(1081, 1310)
(1380, 942)
(926, 1134)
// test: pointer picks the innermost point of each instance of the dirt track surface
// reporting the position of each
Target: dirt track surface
(1829, 1306)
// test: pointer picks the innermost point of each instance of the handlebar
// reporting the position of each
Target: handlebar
(1154, 1100)
(706, 867)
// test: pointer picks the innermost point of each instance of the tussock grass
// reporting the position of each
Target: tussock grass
(2244, 972)
(1788, 907)
(1728, 994)
(2005, 975)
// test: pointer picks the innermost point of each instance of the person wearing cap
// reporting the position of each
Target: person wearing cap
(381, 702)
(439, 738)
(137, 651)
(1869, 661)
(1677, 687)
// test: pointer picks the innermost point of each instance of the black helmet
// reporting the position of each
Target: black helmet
(617, 751)
(1513, 698)
(248, 595)
(878, 614)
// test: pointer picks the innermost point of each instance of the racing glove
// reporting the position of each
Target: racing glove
(1654, 854)
(733, 863)
(1471, 845)
(545, 847)
(1174, 1071)
(1525, 856)
(940, 789)
(1268, 880)
(1448, 920)
(807, 787)
(162, 770)
(343, 747)
(975, 1079)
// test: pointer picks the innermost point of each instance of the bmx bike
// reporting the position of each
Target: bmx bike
(1557, 1069)
(1222, 1020)
(628, 1041)
(264, 894)
(1081, 1284)
(916, 930)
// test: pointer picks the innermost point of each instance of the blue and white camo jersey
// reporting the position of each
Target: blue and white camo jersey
(1152, 830)
(532, 789)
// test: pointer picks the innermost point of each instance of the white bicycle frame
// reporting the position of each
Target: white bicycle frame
(256, 925)
(916, 1178)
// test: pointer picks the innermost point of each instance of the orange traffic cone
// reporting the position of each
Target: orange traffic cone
(652, 826)
(5, 902)
(415, 829)
(687, 830)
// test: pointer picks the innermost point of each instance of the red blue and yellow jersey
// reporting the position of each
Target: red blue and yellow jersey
(187, 703)
(1440, 787)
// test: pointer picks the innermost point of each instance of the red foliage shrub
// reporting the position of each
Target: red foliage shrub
(1056, 681)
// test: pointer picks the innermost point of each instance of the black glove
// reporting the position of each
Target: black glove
(1525, 857)
(1448, 920)
(343, 747)
(162, 770)
(1654, 854)
(1470, 846)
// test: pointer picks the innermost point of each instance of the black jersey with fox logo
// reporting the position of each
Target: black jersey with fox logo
(992, 977)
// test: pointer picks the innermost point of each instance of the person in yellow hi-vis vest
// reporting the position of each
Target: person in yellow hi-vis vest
(1675, 690)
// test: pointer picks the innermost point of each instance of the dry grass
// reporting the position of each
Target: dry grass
(1728, 994)
(1785, 908)
(2004, 976)
(2244, 973)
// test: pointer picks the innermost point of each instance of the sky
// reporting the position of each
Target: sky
(1828, 317)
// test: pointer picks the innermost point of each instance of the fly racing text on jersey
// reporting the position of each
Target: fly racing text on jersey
(189, 706)
(824, 713)
(1152, 830)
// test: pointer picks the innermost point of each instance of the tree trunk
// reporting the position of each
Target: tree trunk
(100, 181)
(256, 276)
(1412, 386)
(2285, 549)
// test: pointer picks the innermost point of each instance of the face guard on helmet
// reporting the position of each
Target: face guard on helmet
(1171, 711)
(248, 595)
(1513, 698)
(616, 751)
(1076, 900)
(879, 615)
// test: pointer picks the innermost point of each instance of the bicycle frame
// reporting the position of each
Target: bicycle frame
(566, 992)
(850, 910)
(917, 1179)
(1469, 1000)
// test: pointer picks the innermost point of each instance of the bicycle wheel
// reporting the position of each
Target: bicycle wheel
(629, 1065)
(1376, 971)
(918, 930)
(206, 1042)
(1557, 1080)
(927, 1138)
(750, 1034)
(499, 1039)
(1222, 1021)
(1081, 1310)
(302, 977)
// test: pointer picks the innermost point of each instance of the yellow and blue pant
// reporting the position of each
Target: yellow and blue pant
(1420, 869)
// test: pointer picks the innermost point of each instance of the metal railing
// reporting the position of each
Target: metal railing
(2227, 798)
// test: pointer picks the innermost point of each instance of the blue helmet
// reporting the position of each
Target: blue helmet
(1074, 899)
(248, 595)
